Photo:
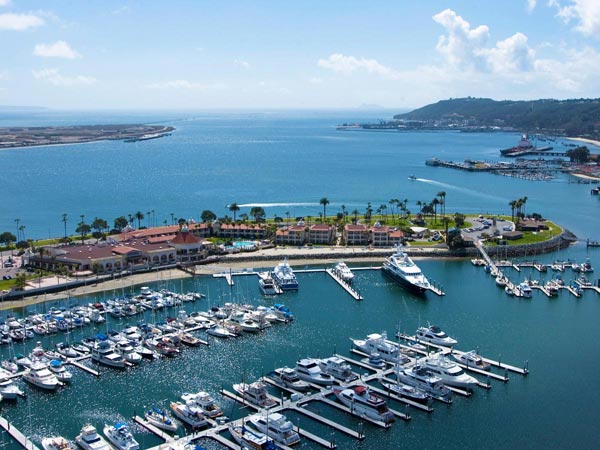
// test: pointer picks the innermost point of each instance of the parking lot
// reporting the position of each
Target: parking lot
(490, 226)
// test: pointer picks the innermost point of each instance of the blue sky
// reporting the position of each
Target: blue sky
(148, 54)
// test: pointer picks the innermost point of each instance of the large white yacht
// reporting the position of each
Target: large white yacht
(378, 343)
(190, 415)
(308, 369)
(362, 402)
(275, 426)
(39, 375)
(204, 402)
(343, 272)
(337, 368)
(255, 393)
(421, 378)
(284, 276)
(450, 373)
(89, 439)
(288, 377)
(104, 353)
(400, 267)
(434, 335)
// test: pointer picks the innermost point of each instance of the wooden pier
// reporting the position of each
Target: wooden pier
(17, 435)
(76, 362)
(346, 286)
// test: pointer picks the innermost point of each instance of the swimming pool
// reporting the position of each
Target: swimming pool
(242, 245)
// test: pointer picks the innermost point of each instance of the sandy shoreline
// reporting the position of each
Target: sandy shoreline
(585, 177)
(586, 140)
(174, 274)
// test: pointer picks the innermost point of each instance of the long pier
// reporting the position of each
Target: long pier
(346, 286)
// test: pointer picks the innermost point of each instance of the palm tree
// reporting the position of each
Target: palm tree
(139, 216)
(344, 212)
(324, 201)
(234, 208)
(392, 202)
(18, 221)
(149, 222)
(355, 214)
(435, 202)
(22, 230)
(513, 206)
(64, 221)
(442, 196)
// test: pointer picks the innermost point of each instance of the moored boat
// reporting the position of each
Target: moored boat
(120, 436)
(255, 393)
(343, 272)
(275, 426)
(203, 401)
(57, 443)
(251, 439)
(434, 335)
(39, 375)
(406, 391)
(471, 359)
(308, 369)
(288, 377)
(160, 419)
(192, 417)
(402, 269)
(337, 368)
(362, 402)
(89, 439)
(284, 276)
(450, 373)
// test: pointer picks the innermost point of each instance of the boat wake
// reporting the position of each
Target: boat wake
(275, 205)
(467, 191)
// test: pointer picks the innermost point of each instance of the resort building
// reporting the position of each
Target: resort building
(321, 234)
(238, 231)
(292, 235)
(201, 230)
(132, 255)
(356, 234)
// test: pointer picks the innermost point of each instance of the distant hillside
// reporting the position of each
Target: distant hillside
(577, 117)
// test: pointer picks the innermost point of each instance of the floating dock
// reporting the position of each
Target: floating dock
(346, 286)
(17, 435)
(154, 430)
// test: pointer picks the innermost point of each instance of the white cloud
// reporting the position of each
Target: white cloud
(585, 12)
(122, 10)
(59, 49)
(460, 45)
(510, 55)
(531, 5)
(315, 80)
(348, 64)
(19, 22)
(185, 84)
(54, 77)
(242, 64)
(4, 2)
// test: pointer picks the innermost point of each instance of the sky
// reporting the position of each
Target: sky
(196, 54)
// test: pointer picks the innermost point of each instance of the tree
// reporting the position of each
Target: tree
(139, 216)
(208, 216)
(446, 221)
(64, 221)
(83, 228)
(344, 212)
(459, 219)
(435, 202)
(22, 231)
(368, 212)
(120, 223)
(513, 206)
(20, 281)
(442, 196)
(578, 155)
(324, 201)
(234, 208)
(258, 213)
(355, 213)
(17, 221)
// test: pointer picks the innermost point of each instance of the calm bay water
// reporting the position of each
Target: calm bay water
(294, 159)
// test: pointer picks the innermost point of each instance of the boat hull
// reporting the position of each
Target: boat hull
(413, 288)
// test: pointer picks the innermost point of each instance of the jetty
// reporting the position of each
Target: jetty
(17, 435)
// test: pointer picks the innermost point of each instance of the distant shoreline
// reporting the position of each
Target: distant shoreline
(586, 140)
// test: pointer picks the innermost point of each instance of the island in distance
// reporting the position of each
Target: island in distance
(11, 137)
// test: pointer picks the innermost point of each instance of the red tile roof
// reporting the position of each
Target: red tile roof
(350, 227)
(185, 238)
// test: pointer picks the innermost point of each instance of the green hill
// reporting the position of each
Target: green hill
(576, 117)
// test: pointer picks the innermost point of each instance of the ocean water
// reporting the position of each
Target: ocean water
(291, 160)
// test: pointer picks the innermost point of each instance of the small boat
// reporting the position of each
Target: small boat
(189, 339)
(66, 350)
(39, 375)
(255, 393)
(509, 290)
(337, 368)
(239, 318)
(104, 353)
(525, 289)
(60, 372)
(267, 285)
(203, 401)
(89, 439)
(288, 377)
(412, 178)
(435, 335)
(219, 331)
(501, 280)
(406, 391)
(160, 419)
(9, 390)
(275, 426)
(190, 416)
(57, 443)
(471, 359)
(250, 439)
(120, 436)
(127, 351)
(308, 369)
(343, 272)
(375, 360)
(362, 402)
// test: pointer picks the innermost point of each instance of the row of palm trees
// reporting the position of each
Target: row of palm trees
(518, 207)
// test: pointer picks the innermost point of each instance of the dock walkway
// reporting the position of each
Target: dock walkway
(17, 435)
(346, 286)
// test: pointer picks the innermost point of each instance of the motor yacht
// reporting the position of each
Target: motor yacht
(239, 318)
(189, 339)
(406, 391)
(203, 401)
(375, 360)
(104, 353)
(471, 359)
(337, 368)
(189, 415)
(275, 426)
(379, 343)
(160, 419)
(421, 378)
(127, 351)
(39, 375)
(402, 269)
(57, 443)
(308, 369)
(251, 439)
(89, 439)
(435, 335)
(362, 402)
(450, 373)
(120, 436)
(8, 388)
(343, 272)
(524, 289)
(255, 393)
(219, 331)
(267, 285)
(288, 377)
(284, 276)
